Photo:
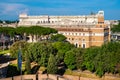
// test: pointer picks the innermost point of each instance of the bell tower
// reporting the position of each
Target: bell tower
(100, 19)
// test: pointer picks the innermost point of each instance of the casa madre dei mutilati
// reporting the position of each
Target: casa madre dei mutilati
(82, 31)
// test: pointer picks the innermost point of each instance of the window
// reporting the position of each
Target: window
(83, 34)
(38, 22)
(76, 34)
(100, 25)
(83, 46)
(72, 34)
(79, 34)
(76, 45)
(83, 39)
(79, 45)
(43, 21)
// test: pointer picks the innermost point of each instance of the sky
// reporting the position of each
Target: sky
(10, 9)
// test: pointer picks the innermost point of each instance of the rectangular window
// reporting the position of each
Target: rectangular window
(83, 46)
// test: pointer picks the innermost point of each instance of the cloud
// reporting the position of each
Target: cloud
(12, 8)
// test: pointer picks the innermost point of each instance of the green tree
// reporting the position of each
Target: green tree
(35, 50)
(40, 51)
(79, 57)
(46, 50)
(88, 57)
(52, 65)
(36, 31)
(59, 57)
(69, 60)
(27, 63)
(102, 59)
(116, 28)
(62, 46)
(58, 37)
(9, 31)
(15, 47)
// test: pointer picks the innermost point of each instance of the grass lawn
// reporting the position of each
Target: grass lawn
(4, 52)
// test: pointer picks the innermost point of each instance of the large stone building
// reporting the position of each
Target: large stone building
(82, 31)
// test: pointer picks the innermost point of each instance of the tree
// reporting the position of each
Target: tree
(59, 57)
(46, 50)
(40, 52)
(7, 31)
(58, 37)
(102, 59)
(69, 60)
(89, 56)
(27, 63)
(79, 57)
(52, 65)
(116, 28)
(62, 46)
(35, 31)
(15, 47)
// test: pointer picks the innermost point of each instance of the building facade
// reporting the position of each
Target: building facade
(82, 31)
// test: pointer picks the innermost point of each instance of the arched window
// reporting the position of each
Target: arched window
(83, 46)
(38, 22)
(43, 21)
(76, 45)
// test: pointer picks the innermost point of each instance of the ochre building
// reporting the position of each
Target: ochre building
(82, 30)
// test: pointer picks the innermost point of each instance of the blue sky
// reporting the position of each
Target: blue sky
(10, 9)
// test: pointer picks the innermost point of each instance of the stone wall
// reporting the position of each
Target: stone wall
(10, 78)
(58, 77)
(25, 77)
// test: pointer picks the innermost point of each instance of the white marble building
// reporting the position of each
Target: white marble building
(45, 20)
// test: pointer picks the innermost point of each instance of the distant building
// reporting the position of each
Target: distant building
(112, 22)
(115, 36)
(82, 31)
